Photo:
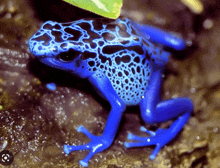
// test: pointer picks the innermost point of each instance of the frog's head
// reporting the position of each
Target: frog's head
(62, 45)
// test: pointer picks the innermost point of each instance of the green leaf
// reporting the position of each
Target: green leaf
(106, 8)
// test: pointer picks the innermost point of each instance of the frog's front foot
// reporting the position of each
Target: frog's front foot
(159, 138)
(97, 144)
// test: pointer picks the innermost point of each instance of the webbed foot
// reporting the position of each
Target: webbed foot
(97, 144)
(159, 138)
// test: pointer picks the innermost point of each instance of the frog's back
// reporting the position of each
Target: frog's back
(124, 59)
(103, 45)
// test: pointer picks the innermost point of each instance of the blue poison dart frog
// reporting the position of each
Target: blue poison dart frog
(121, 63)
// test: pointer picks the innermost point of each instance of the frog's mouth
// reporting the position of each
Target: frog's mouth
(55, 63)
(50, 61)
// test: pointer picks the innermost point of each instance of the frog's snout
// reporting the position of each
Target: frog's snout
(40, 44)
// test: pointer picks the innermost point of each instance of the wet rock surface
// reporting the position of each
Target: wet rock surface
(35, 122)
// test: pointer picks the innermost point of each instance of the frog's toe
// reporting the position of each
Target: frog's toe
(152, 133)
(69, 148)
(136, 138)
(155, 152)
(66, 149)
(142, 141)
(143, 129)
(82, 129)
(83, 163)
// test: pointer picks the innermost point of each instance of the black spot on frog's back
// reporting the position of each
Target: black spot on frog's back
(76, 34)
(97, 25)
(48, 26)
(85, 25)
(57, 35)
(92, 34)
(45, 38)
(108, 36)
(123, 59)
(123, 31)
(137, 59)
(111, 49)
(111, 27)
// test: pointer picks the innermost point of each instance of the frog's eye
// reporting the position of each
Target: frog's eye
(69, 55)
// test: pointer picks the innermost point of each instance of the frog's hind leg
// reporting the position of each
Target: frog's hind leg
(101, 142)
(153, 110)
(159, 36)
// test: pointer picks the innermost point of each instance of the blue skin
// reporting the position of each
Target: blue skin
(51, 86)
(125, 69)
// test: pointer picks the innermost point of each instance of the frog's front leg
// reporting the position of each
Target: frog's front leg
(99, 143)
(153, 110)
(159, 36)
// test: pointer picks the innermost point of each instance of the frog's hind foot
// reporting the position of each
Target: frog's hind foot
(158, 138)
(97, 144)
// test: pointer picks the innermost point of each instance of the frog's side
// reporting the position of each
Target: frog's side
(123, 66)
